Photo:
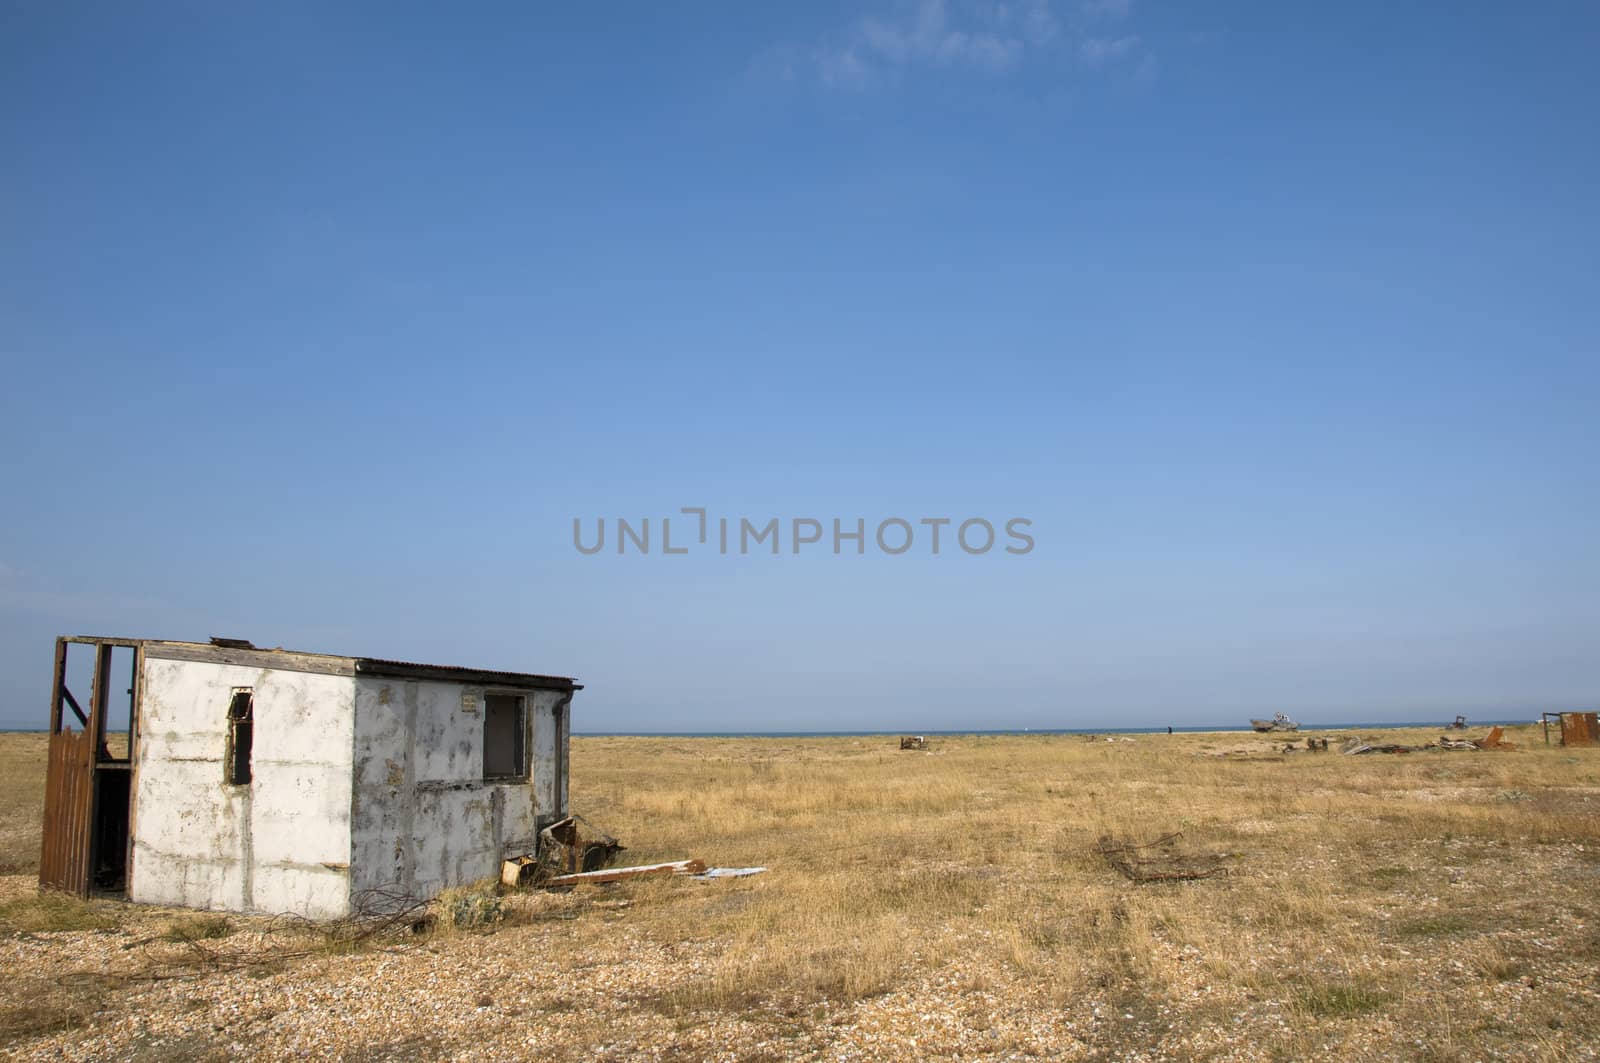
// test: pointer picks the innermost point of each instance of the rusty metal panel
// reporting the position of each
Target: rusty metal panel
(1580, 728)
(68, 807)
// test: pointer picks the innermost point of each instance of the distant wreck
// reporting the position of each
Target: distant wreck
(1279, 722)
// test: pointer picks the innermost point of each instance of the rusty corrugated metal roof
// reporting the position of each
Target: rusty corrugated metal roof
(412, 669)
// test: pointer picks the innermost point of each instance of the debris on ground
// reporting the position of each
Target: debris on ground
(518, 871)
(563, 849)
(568, 856)
(1495, 739)
(616, 874)
(728, 872)
(1159, 861)
(1355, 747)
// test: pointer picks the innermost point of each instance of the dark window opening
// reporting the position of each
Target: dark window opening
(241, 735)
(504, 737)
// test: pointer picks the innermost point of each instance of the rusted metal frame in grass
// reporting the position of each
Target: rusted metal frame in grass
(1109, 844)
(1580, 729)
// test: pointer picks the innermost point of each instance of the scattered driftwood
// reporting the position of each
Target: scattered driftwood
(913, 742)
(616, 874)
(1158, 861)
(1359, 747)
(1494, 740)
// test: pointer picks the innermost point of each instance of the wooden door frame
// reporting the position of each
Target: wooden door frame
(70, 844)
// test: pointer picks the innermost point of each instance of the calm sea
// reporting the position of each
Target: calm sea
(1361, 725)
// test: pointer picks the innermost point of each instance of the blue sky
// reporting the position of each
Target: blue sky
(321, 323)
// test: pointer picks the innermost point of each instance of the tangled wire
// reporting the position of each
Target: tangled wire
(1159, 860)
(385, 914)
(376, 915)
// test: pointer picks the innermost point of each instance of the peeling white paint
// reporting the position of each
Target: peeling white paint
(201, 843)
(423, 817)
(358, 783)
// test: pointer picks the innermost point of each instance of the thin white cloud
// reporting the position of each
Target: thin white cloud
(842, 69)
(926, 33)
(1039, 22)
(1097, 51)
(989, 36)
(1107, 9)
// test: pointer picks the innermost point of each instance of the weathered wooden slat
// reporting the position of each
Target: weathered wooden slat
(615, 874)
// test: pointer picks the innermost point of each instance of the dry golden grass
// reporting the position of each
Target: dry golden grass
(46, 912)
(1349, 878)
(22, 760)
(951, 902)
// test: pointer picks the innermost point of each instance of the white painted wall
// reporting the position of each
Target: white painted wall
(280, 844)
(358, 783)
(423, 817)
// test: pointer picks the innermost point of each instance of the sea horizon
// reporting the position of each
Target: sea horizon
(1370, 725)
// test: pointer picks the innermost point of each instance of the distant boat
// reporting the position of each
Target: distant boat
(1279, 722)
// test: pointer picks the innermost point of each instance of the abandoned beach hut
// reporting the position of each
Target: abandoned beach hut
(219, 775)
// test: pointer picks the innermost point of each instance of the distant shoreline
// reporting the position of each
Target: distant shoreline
(1365, 725)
